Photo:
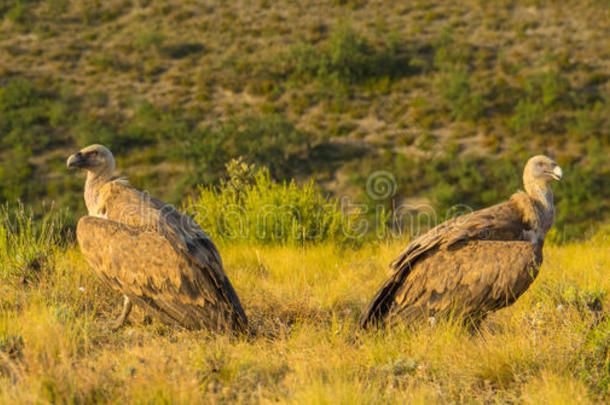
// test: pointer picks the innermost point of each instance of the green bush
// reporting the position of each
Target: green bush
(267, 139)
(18, 11)
(149, 39)
(542, 94)
(583, 196)
(347, 57)
(250, 207)
(449, 55)
(182, 50)
(528, 115)
(463, 101)
(33, 118)
(549, 88)
(591, 122)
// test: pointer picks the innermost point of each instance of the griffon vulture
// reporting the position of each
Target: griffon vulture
(473, 264)
(157, 257)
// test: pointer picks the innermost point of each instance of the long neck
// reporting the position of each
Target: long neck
(95, 180)
(541, 193)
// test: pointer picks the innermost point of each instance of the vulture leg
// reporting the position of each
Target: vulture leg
(120, 321)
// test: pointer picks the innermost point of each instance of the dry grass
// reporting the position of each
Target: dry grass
(551, 347)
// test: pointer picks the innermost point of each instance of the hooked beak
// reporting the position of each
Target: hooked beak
(557, 173)
(76, 161)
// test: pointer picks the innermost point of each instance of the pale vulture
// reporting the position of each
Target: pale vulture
(157, 257)
(474, 264)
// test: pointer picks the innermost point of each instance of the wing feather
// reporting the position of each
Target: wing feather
(506, 221)
(479, 277)
(160, 258)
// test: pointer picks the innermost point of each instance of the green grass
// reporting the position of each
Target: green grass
(552, 346)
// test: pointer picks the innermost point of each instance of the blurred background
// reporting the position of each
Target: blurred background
(450, 97)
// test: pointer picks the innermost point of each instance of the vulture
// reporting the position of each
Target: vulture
(156, 256)
(474, 264)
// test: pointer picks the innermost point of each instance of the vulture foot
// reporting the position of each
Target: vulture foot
(120, 321)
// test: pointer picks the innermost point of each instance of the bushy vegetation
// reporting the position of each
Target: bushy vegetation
(250, 207)
(347, 57)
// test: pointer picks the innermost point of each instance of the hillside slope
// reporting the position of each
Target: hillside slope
(450, 97)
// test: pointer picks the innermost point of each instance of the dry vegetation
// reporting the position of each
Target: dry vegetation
(552, 346)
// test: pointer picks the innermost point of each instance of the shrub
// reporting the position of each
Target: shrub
(267, 139)
(149, 39)
(305, 59)
(541, 95)
(583, 196)
(250, 207)
(463, 102)
(346, 57)
(19, 12)
(548, 88)
(590, 123)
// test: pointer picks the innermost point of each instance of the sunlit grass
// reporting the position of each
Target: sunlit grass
(304, 303)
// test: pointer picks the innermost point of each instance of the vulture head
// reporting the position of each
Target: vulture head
(96, 159)
(541, 170)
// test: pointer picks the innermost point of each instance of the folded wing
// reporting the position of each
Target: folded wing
(470, 280)
(508, 221)
(160, 259)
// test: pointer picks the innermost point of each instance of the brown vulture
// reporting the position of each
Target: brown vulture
(156, 256)
(474, 264)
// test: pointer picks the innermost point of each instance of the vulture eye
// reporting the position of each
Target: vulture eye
(540, 164)
(91, 154)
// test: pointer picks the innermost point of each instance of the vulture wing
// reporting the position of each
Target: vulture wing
(160, 259)
(469, 279)
(477, 278)
(502, 222)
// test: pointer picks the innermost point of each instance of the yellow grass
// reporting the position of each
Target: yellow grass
(550, 347)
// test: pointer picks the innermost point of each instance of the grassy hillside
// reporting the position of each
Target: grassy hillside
(303, 302)
(451, 97)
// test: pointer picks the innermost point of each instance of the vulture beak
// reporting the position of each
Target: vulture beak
(557, 173)
(76, 161)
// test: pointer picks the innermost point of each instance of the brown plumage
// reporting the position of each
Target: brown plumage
(157, 257)
(474, 264)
